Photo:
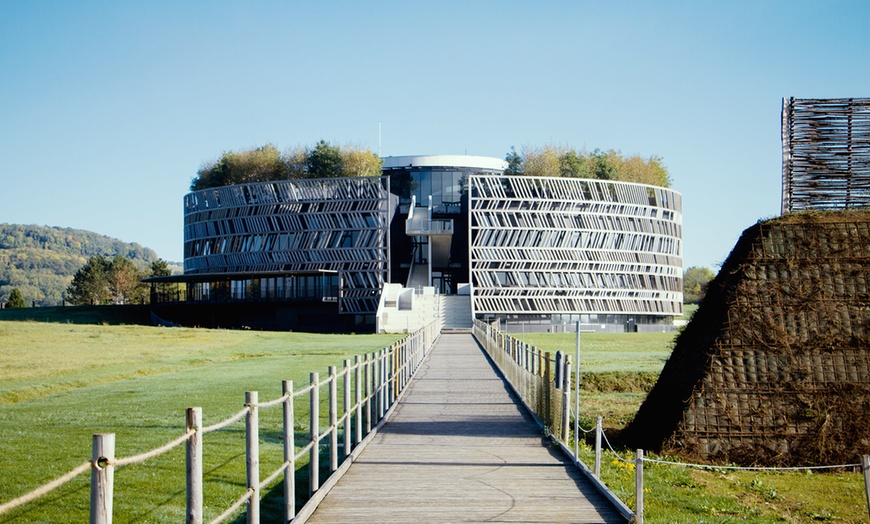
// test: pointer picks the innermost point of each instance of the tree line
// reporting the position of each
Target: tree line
(115, 281)
(267, 163)
(326, 160)
(696, 280)
(564, 161)
(40, 261)
(70, 241)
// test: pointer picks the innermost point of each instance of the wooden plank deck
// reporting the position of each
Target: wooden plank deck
(459, 448)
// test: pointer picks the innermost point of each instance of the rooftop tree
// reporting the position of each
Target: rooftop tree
(555, 161)
(266, 163)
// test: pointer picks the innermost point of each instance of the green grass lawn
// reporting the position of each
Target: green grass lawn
(94, 315)
(616, 369)
(609, 352)
(61, 383)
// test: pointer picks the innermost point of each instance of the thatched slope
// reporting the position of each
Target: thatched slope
(774, 367)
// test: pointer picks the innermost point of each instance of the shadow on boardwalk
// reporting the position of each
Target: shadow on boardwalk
(460, 448)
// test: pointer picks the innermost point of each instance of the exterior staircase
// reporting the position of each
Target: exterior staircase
(456, 313)
(404, 310)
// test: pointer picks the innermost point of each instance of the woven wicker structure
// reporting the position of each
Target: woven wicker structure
(825, 153)
(775, 366)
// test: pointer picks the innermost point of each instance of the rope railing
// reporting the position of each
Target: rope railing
(138, 459)
(731, 467)
(226, 422)
(508, 353)
(370, 387)
(85, 466)
(46, 488)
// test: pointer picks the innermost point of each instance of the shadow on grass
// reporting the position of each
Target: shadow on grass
(272, 499)
(94, 315)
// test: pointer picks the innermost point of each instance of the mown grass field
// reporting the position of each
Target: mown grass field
(61, 383)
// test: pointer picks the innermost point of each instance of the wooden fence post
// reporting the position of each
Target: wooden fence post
(368, 393)
(333, 420)
(252, 456)
(357, 396)
(314, 423)
(102, 477)
(376, 387)
(566, 401)
(193, 466)
(398, 363)
(347, 411)
(397, 372)
(379, 384)
(576, 393)
(865, 465)
(407, 361)
(289, 452)
(393, 375)
(524, 375)
(598, 430)
(411, 356)
(638, 486)
(548, 397)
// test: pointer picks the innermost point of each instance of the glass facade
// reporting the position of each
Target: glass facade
(445, 179)
(301, 287)
(446, 187)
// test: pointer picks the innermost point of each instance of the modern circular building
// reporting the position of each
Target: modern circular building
(556, 251)
(538, 253)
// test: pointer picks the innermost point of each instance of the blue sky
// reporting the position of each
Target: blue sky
(107, 109)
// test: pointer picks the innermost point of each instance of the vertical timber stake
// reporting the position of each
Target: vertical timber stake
(566, 400)
(357, 396)
(193, 465)
(577, 397)
(638, 486)
(333, 419)
(289, 452)
(102, 478)
(314, 423)
(865, 463)
(347, 411)
(598, 430)
(252, 456)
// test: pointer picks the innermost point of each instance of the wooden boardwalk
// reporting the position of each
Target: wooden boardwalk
(460, 448)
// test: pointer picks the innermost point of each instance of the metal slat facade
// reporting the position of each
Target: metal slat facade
(337, 224)
(574, 246)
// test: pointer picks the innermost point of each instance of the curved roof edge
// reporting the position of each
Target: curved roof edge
(479, 162)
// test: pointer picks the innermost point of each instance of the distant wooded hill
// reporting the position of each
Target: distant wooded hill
(40, 261)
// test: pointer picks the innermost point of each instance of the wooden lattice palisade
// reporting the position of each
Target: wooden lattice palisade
(825, 153)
